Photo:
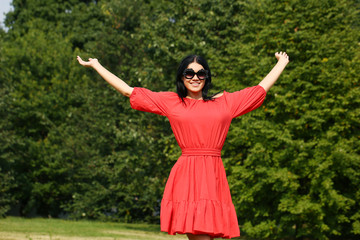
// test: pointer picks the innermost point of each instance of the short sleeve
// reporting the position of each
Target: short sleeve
(145, 100)
(245, 100)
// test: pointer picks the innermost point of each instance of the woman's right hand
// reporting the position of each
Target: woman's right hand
(90, 63)
(113, 80)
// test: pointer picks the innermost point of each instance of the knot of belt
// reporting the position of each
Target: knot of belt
(201, 152)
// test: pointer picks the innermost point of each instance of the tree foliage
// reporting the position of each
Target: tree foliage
(71, 146)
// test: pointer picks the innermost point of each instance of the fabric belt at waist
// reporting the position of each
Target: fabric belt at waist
(201, 152)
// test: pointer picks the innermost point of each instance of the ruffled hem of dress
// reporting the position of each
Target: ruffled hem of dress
(209, 217)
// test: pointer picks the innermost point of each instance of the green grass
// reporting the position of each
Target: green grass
(12, 228)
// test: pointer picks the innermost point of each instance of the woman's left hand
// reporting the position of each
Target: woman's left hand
(270, 79)
(282, 56)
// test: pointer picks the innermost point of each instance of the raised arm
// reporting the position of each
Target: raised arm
(273, 75)
(113, 80)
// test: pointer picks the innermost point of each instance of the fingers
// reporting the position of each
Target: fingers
(282, 55)
(82, 62)
(86, 63)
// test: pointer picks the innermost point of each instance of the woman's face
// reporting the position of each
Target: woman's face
(194, 85)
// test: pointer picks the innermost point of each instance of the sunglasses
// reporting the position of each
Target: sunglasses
(190, 73)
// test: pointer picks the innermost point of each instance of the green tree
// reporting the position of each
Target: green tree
(41, 87)
(297, 171)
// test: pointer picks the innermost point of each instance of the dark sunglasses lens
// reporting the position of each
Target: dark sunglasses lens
(201, 74)
(189, 74)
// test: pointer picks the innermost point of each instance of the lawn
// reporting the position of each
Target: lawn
(13, 228)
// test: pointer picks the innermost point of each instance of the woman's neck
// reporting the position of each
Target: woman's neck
(197, 96)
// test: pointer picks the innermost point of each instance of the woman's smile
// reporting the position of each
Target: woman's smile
(195, 84)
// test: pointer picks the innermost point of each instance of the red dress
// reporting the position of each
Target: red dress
(197, 198)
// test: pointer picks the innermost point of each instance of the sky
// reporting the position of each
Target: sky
(4, 8)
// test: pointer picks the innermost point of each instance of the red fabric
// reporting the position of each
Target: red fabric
(197, 197)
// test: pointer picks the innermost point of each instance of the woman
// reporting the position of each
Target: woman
(196, 198)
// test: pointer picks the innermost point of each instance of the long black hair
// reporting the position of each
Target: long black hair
(180, 86)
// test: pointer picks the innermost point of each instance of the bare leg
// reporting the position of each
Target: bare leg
(199, 237)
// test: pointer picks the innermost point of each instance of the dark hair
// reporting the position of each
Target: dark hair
(180, 86)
